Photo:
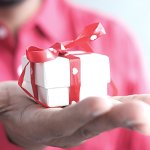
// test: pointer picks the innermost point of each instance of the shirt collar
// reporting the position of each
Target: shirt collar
(53, 20)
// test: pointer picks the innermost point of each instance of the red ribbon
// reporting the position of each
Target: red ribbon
(37, 55)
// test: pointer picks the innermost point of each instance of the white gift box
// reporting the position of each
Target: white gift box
(53, 78)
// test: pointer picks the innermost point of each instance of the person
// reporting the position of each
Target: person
(26, 125)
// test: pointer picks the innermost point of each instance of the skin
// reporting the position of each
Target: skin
(33, 127)
(16, 15)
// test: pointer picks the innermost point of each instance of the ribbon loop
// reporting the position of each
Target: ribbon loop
(90, 33)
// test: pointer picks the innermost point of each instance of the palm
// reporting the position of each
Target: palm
(30, 125)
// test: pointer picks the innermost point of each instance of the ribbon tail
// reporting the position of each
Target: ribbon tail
(21, 79)
(20, 83)
(114, 88)
(34, 86)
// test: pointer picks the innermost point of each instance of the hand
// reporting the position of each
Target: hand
(31, 126)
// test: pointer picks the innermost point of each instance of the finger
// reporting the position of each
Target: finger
(56, 123)
(70, 119)
(141, 97)
(134, 115)
(130, 115)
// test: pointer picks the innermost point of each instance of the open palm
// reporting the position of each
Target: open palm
(31, 126)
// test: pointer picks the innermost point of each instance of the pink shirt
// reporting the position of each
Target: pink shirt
(59, 21)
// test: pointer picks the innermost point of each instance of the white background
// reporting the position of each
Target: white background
(135, 14)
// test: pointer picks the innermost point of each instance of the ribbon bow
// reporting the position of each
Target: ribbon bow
(37, 55)
(90, 33)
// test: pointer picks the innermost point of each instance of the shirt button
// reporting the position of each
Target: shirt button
(3, 32)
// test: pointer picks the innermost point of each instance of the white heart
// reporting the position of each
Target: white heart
(93, 37)
(73, 102)
(74, 71)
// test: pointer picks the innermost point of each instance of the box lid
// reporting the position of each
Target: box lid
(56, 73)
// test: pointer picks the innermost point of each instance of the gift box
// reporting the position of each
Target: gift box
(53, 78)
(57, 76)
